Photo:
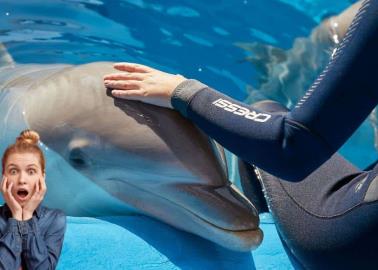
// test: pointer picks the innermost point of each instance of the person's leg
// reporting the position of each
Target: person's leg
(327, 220)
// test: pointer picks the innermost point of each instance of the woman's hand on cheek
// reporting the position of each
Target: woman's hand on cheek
(14, 206)
(35, 200)
(139, 82)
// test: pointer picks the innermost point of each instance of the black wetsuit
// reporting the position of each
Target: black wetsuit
(325, 209)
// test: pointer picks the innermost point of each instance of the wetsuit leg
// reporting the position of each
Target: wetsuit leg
(328, 220)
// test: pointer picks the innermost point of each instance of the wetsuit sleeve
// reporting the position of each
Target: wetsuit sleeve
(266, 139)
(292, 145)
(10, 246)
(43, 251)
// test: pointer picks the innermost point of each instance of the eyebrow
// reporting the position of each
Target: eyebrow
(32, 165)
(10, 165)
(27, 166)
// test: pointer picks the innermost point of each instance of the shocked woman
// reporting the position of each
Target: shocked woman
(31, 236)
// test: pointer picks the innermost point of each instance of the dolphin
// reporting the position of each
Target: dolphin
(150, 160)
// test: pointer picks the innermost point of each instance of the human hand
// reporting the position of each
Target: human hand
(139, 82)
(35, 200)
(14, 206)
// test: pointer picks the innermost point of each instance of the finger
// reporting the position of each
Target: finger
(10, 199)
(9, 188)
(40, 190)
(129, 94)
(126, 85)
(43, 185)
(35, 194)
(132, 67)
(125, 76)
(3, 183)
(38, 186)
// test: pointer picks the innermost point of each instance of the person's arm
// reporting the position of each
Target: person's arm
(10, 240)
(289, 146)
(42, 251)
(262, 138)
(267, 139)
(10, 246)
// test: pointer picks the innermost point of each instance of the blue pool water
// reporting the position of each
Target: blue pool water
(200, 39)
(206, 40)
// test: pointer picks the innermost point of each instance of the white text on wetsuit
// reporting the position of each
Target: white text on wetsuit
(239, 110)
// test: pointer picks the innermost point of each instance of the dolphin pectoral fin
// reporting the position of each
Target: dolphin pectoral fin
(220, 154)
(5, 58)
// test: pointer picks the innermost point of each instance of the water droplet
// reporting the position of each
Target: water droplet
(6, 13)
(245, 2)
(199, 69)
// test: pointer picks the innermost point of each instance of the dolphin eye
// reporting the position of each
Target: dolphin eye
(77, 158)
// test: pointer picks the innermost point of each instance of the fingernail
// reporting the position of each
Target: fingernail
(116, 94)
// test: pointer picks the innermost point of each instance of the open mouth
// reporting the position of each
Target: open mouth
(22, 193)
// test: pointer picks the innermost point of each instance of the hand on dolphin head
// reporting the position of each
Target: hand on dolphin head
(139, 82)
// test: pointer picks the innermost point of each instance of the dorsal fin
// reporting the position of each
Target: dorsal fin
(5, 58)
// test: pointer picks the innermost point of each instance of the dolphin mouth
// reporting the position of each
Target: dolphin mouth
(164, 209)
(255, 227)
(180, 205)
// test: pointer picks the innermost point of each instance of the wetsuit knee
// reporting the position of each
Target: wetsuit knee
(326, 220)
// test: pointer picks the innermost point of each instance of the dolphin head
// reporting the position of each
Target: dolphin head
(149, 158)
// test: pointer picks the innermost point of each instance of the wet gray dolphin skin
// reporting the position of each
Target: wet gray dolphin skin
(148, 158)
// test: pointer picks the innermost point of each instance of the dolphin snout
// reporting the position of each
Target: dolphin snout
(223, 207)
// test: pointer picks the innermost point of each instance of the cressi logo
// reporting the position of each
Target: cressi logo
(242, 111)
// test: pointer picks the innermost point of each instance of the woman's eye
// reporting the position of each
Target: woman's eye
(31, 171)
(13, 171)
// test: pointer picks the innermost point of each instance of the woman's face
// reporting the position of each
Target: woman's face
(24, 171)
